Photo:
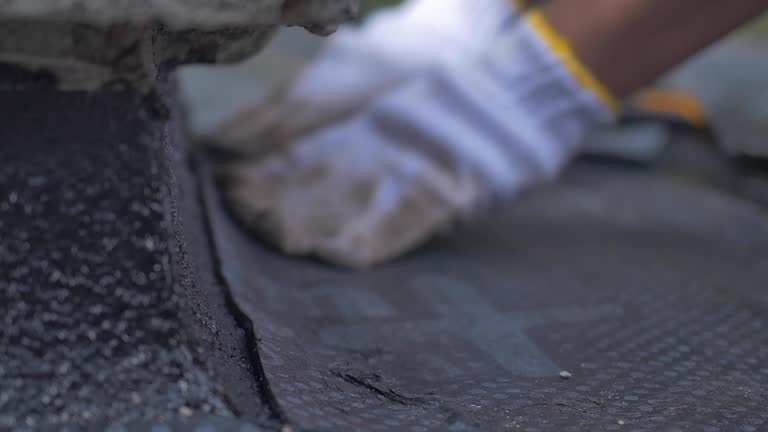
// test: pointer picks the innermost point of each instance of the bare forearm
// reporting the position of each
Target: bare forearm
(629, 43)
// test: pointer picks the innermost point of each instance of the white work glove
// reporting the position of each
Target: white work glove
(397, 167)
(360, 63)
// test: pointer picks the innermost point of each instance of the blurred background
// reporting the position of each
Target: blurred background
(213, 93)
(729, 80)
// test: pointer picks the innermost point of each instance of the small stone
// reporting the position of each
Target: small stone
(620, 422)
(135, 398)
(186, 411)
(286, 428)
(566, 375)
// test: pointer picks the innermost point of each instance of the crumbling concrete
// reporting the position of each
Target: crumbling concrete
(185, 14)
(89, 42)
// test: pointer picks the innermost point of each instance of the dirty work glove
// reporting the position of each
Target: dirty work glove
(360, 63)
(419, 155)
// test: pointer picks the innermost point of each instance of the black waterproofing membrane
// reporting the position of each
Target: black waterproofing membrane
(651, 291)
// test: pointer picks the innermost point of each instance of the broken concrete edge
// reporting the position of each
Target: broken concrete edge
(222, 335)
(86, 57)
(94, 42)
(185, 14)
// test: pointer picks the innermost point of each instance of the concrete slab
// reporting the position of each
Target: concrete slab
(184, 14)
(89, 42)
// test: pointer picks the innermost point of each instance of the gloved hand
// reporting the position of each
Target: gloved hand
(358, 64)
(357, 167)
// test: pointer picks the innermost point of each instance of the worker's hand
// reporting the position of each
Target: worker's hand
(412, 160)
(360, 63)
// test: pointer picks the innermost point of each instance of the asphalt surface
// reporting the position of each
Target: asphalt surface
(111, 310)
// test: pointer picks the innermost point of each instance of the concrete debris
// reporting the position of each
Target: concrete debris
(87, 43)
(184, 14)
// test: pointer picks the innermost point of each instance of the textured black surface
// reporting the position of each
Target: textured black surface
(649, 289)
(225, 345)
(195, 423)
(111, 313)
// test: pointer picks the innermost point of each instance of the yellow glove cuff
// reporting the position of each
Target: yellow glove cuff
(564, 52)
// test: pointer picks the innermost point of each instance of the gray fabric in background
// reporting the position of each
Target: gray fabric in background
(732, 83)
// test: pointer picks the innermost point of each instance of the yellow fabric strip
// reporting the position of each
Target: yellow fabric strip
(562, 49)
(671, 102)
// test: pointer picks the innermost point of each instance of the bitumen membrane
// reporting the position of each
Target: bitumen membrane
(619, 298)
